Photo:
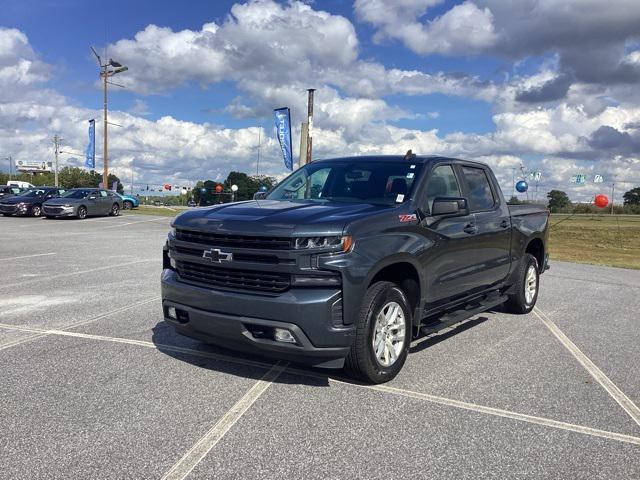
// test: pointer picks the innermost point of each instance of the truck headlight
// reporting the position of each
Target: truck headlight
(334, 242)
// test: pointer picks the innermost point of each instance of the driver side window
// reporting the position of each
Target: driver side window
(442, 183)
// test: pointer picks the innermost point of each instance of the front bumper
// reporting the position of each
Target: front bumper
(231, 320)
(58, 211)
(9, 209)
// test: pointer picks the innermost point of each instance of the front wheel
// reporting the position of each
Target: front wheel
(36, 211)
(526, 288)
(82, 213)
(127, 205)
(115, 210)
(383, 334)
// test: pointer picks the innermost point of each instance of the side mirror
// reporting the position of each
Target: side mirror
(449, 206)
(260, 195)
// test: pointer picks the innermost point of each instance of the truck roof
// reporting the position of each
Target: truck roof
(422, 159)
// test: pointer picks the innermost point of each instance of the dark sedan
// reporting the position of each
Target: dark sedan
(29, 202)
(82, 202)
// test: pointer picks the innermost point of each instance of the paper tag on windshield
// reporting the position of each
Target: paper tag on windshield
(412, 166)
(410, 175)
(400, 198)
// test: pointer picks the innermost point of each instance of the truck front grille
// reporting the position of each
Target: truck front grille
(233, 279)
(235, 241)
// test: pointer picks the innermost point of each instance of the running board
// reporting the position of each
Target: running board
(458, 316)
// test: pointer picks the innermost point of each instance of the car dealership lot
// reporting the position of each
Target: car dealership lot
(95, 384)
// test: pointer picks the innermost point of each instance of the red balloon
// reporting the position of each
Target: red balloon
(601, 201)
(218, 188)
(167, 186)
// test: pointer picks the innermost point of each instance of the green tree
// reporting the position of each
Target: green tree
(632, 197)
(558, 200)
(515, 201)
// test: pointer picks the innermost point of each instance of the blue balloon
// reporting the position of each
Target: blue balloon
(522, 186)
(263, 188)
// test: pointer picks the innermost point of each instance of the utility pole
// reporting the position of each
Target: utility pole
(309, 123)
(513, 181)
(131, 179)
(56, 143)
(613, 189)
(105, 73)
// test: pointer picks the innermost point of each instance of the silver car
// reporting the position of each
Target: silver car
(82, 202)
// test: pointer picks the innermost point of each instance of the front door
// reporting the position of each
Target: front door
(448, 262)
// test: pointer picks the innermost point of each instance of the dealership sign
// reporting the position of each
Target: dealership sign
(31, 166)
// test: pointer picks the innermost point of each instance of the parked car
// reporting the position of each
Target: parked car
(7, 191)
(29, 202)
(18, 183)
(191, 203)
(82, 202)
(129, 202)
(347, 260)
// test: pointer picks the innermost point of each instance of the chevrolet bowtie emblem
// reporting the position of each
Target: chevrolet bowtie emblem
(216, 256)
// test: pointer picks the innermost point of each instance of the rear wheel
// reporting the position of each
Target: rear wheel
(383, 334)
(36, 211)
(82, 212)
(526, 288)
(127, 205)
(115, 210)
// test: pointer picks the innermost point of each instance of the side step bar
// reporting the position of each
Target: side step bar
(457, 316)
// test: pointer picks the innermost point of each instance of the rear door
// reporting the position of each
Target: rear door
(492, 241)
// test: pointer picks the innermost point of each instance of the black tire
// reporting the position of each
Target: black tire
(519, 302)
(115, 210)
(36, 211)
(82, 212)
(127, 205)
(362, 362)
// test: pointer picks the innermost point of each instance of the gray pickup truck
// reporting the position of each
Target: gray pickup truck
(347, 260)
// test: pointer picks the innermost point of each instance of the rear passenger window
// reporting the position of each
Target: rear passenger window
(480, 194)
(442, 183)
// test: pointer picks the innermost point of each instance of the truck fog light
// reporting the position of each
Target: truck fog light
(283, 335)
(171, 313)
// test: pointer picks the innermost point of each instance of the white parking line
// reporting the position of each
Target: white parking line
(620, 437)
(137, 221)
(194, 456)
(618, 395)
(43, 333)
(28, 256)
(81, 272)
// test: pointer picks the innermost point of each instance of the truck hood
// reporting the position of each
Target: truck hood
(277, 218)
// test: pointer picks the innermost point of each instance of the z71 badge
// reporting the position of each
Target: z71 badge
(407, 218)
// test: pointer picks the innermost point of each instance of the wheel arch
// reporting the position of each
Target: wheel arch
(405, 272)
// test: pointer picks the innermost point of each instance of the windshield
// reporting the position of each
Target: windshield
(32, 193)
(362, 181)
(78, 194)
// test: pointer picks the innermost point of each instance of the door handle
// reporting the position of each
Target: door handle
(470, 228)
(504, 223)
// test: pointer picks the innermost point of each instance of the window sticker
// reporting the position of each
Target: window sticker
(407, 218)
(400, 198)
(412, 166)
(410, 175)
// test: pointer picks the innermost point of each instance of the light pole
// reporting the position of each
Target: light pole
(10, 166)
(234, 189)
(105, 73)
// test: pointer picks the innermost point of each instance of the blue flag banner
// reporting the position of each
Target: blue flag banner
(90, 159)
(282, 117)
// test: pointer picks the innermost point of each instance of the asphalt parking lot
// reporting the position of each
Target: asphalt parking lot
(95, 385)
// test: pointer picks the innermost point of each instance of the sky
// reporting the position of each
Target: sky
(524, 85)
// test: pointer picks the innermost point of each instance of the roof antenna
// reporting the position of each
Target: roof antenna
(409, 155)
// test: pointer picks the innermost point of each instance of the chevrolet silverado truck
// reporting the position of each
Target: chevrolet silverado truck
(347, 260)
